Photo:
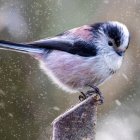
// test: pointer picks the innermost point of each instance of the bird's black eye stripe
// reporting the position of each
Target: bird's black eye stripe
(115, 33)
(110, 43)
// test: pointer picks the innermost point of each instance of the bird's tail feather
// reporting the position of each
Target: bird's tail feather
(24, 48)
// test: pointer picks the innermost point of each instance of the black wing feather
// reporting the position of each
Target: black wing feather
(78, 47)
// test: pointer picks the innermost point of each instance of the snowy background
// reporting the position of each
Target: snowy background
(29, 102)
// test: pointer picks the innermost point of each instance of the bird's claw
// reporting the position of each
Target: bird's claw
(82, 97)
(99, 94)
(96, 91)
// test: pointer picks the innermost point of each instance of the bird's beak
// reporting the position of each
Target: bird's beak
(120, 52)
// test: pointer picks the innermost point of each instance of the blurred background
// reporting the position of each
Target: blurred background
(29, 102)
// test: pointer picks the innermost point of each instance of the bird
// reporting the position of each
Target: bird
(80, 58)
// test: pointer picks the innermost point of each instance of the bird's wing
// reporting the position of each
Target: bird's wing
(75, 41)
(77, 47)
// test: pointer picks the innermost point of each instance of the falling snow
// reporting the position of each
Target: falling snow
(29, 102)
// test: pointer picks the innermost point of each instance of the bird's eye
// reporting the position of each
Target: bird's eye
(110, 43)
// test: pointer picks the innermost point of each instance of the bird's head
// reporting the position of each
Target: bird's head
(113, 36)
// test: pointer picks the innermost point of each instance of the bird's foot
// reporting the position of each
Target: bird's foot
(96, 91)
(82, 97)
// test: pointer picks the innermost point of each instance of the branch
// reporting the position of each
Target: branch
(78, 123)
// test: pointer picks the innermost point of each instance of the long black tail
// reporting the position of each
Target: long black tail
(24, 48)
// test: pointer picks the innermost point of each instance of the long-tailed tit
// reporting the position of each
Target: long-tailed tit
(80, 57)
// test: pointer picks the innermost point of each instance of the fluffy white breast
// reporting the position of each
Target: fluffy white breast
(113, 61)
